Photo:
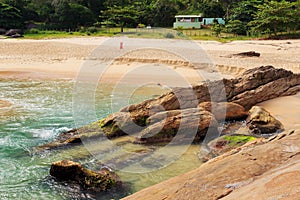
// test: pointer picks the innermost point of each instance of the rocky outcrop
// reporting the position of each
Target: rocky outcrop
(225, 110)
(164, 114)
(186, 124)
(74, 172)
(260, 169)
(261, 121)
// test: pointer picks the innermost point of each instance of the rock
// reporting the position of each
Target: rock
(12, 32)
(261, 84)
(225, 110)
(252, 87)
(248, 54)
(74, 172)
(189, 125)
(261, 121)
(224, 144)
(17, 35)
(256, 170)
(235, 128)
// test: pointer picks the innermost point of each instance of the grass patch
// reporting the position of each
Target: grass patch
(37, 34)
(153, 33)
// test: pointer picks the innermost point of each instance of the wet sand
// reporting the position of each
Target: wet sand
(286, 110)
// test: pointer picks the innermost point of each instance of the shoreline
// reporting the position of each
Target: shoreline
(44, 63)
(62, 59)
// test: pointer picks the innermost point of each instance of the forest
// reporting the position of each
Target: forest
(240, 15)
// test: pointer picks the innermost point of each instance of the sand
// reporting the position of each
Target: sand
(64, 58)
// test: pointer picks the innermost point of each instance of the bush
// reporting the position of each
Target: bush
(180, 34)
(33, 31)
(92, 29)
(180, 28)
(169, 35)
(217, 29)
(141, 26)
(82, 29)
(237, 27)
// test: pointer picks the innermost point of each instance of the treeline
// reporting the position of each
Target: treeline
(241, 15)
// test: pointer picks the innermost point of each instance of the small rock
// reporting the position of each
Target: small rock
(261, 121)
(248, 54)
(66, 170)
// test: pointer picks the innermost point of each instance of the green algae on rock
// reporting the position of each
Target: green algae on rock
(224, 144)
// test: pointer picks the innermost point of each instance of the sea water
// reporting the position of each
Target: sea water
(40, 111)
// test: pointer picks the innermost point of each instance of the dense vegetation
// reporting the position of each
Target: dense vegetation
(242, 16)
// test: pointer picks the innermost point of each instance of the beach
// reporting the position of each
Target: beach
(64, 58)
(37, 78)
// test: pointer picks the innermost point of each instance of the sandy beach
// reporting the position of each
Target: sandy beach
(64, 58)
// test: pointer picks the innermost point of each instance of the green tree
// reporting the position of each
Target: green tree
(70, 15)
(163, 13)
(236, 26)
(121, 16)
(275, 16)
(212, 9)
(217, 28)
(10, 17)
(241, 14)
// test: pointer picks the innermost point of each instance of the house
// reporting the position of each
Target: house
(194, 21)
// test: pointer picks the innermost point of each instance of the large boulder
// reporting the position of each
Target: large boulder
(261, 121)
(66, 170)
(189, 125)
(225, 110)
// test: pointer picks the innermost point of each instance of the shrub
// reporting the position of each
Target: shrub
(169, 35)
(141, 26)
(92, 29)
(33, 31)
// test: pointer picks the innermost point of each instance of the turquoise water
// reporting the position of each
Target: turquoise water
(39, 112)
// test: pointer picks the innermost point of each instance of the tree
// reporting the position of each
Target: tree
(70, 15)
(121, 16)
(275, 16)
(227, 6)
(217, 28)
(10, 17)
(163, 13)
(236, 26)
(212, 9)
(241, 14)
